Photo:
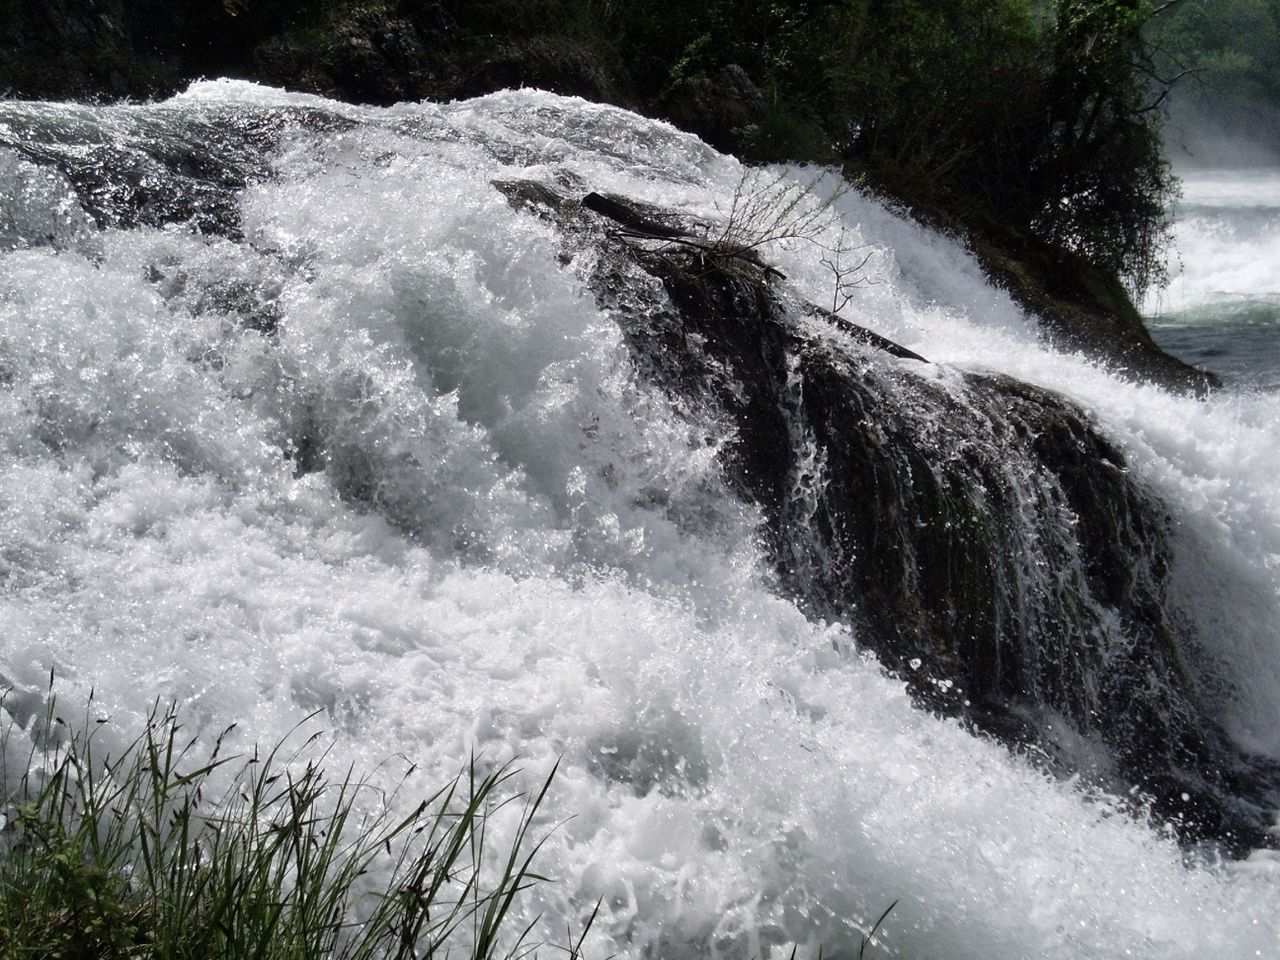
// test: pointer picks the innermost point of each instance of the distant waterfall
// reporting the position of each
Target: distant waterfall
(1222, 305)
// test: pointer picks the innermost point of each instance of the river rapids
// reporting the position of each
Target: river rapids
(302, 418)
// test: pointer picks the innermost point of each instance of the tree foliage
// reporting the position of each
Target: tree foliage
(1043, 116)
(1232, 46)
(1044, 113)
(1100, 184)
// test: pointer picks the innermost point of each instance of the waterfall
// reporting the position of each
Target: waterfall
(307, 415)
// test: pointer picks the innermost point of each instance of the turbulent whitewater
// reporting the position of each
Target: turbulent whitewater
(1222, 305)
(302, 415)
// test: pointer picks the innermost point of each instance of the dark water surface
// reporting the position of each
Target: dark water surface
(1243, 350)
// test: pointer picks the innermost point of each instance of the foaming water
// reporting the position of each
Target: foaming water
(1221, 309)
(376, 452)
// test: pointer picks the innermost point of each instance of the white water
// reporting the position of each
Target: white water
(555, 570)
(1221, 308)
(1226, 241)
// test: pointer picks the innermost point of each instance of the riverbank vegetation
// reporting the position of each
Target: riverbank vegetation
(172, 849)
(1042, 116)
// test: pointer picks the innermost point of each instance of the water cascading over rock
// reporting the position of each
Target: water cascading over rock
(981, 532)
(460, 426)
(984, 534)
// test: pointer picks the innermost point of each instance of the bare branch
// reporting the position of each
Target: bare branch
(1164, 8)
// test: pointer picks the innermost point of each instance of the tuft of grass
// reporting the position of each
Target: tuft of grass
(167, 851)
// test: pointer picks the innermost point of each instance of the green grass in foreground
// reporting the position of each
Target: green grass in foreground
(157, 853)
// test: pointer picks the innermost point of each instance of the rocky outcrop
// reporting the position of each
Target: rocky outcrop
(1082, 309)
(980, 532)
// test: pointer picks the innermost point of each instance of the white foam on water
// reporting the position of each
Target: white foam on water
(1226, 247)
(1248, 188)
(518, 547)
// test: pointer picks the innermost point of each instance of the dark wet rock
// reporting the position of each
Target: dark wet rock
(861, 334)
(981, 533)
(639, 218)
(1082, 309)
(540, 199)
(122, 186)
(152, 172)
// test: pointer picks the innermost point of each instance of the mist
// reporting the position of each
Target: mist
(1205, 131)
